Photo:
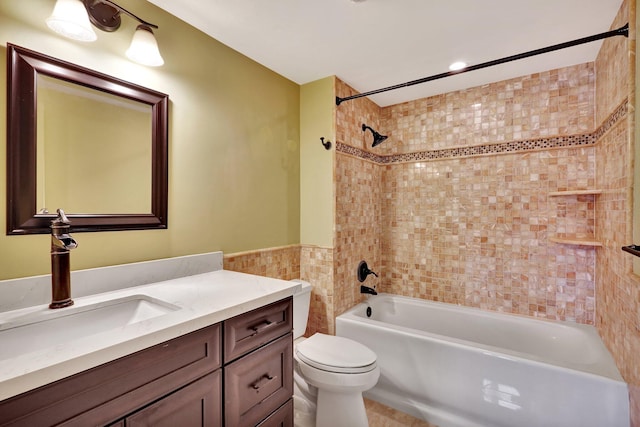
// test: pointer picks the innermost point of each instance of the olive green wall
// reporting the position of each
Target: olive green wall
(317, 201)
(234, 160)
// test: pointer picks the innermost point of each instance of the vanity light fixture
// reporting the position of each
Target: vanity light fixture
(71, 18)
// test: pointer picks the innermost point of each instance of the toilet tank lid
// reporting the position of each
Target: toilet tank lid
(305, 286)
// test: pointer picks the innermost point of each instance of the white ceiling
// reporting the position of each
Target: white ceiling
(378, 43)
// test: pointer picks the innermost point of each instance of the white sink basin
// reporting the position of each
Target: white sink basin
(47, 328)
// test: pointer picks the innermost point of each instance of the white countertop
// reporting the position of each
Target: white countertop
(201, 300)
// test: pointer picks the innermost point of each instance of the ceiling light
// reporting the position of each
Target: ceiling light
(73, 19)
(457, 66)
(70, 19)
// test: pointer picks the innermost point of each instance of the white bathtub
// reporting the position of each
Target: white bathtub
(457, 366)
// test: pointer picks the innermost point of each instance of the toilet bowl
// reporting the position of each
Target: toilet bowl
(330, 374)
(340, 369)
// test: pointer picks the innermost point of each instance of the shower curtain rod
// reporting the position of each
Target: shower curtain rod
(622, 31)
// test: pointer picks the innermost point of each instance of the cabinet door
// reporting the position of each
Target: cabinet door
(283, 417)
(197, 405)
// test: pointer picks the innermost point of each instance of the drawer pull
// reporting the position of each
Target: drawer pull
(262, 381)
(261, 327)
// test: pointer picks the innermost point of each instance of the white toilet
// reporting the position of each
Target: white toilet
(330, 373)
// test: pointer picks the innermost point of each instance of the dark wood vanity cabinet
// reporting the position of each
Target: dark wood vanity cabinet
(182, 382)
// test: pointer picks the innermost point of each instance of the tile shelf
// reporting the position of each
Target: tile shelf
(575, 192)
(575, 241)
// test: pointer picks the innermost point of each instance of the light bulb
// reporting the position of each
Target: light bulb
(144, 48)
(70, 19)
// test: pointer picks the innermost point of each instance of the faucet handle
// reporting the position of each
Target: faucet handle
(363, 271)
(62, 218)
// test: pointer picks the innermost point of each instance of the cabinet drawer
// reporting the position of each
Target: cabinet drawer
(249, 331)
(197, 405)
(103, 394)
(259, 383)
(283, 417)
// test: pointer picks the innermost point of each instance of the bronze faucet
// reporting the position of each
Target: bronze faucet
(61, 244)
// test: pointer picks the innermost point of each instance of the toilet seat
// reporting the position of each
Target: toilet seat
(336, 354)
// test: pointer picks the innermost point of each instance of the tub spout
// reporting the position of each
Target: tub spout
(61, 244)
(367, 290)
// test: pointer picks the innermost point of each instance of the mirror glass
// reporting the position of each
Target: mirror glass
(86, 142)
(81, 134)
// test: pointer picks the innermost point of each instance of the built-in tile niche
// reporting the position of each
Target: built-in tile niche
(574, 217)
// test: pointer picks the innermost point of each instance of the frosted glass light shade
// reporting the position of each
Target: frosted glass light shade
(144, 48)
(70, 19)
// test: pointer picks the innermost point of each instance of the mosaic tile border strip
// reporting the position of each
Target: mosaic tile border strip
(618, 114)
(504, 147)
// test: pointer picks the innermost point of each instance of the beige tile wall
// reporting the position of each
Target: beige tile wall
(280, 263)
(352, 114)
(317, 267)
(473, 229)
(358, 232)
(358, 185)
(618, 289)
(311, 263)
(612, 66)
(555, 102)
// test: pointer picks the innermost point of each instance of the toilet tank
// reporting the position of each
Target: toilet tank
(301, 302)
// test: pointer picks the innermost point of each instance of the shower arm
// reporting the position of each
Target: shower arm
(622, 31)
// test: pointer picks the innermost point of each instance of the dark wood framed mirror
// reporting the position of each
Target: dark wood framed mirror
(100, 151)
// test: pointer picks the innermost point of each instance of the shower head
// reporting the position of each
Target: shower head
(377, 138)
